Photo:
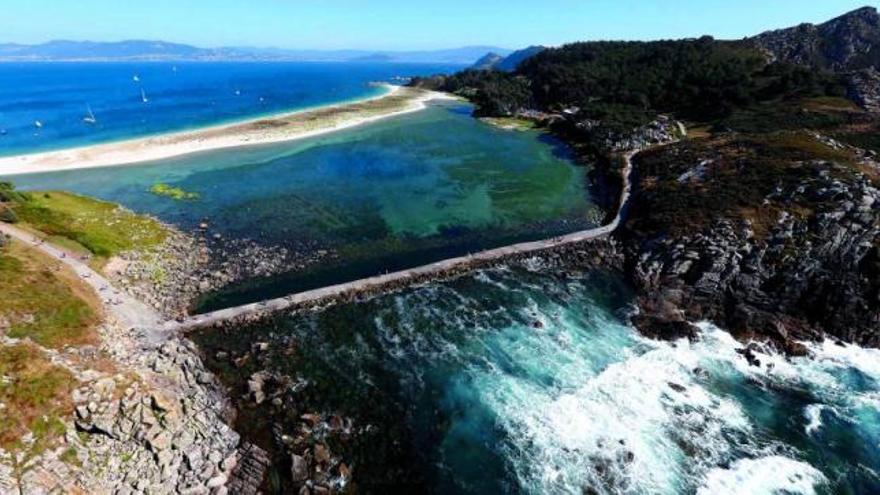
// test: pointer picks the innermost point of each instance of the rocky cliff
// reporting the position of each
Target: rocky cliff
(795, 257)
(849, 42)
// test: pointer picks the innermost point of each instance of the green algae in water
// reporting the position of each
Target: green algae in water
(173, 192)
(393, 194)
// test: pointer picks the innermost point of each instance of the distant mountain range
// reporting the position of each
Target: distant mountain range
(144, 50)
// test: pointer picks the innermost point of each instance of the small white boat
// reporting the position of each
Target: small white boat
(237, 92)
(136, 78)
(38, 124)
(90, 117)
(144, 97)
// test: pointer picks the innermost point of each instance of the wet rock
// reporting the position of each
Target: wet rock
(299, 468)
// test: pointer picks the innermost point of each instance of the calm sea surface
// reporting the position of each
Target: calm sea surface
(178, 96)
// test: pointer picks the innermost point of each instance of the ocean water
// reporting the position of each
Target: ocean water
(389, 195)
(179, 96)
(519, 380)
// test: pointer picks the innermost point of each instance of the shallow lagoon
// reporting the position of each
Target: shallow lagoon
(398, 193)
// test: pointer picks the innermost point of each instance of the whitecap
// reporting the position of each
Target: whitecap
(766, 475)
(641, 425)
(813, 415)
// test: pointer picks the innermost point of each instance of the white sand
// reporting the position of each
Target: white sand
(274, 129)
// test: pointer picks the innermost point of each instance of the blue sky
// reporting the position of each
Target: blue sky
(395, 24)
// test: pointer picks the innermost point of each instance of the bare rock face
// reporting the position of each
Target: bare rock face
(816, 271)
(849, 42)
(864, 89)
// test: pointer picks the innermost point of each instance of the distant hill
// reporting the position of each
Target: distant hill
(74, 50)
(848, 42)
(512, 61)
(488, 61)
(148, 50)
(494, 61)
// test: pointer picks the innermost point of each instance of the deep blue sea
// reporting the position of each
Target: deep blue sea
(178, 96)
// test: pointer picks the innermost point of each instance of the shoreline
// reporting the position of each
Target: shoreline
(289, 126)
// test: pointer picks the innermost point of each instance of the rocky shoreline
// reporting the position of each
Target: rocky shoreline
(812, 274)
(762, 283)
(187, 266)
(149, 420)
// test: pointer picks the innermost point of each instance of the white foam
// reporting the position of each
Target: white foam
(766, 475)
(630, 428)
(865, 360)
(586, 403)
(813, 414)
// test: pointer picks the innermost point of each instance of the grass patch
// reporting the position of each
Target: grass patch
(102, 228)
(50, 307)
(36, 394)
(174, 193)
(868, 139)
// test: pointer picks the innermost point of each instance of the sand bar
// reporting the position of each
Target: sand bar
(275, 129)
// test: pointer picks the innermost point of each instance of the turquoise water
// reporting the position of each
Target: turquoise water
(179, 96)
(393, 194)
(523, 381)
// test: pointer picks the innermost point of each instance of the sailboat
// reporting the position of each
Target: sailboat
(38, 124)
(90, 117)
(144, 96)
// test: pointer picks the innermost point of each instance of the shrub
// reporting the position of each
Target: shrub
(8, 216)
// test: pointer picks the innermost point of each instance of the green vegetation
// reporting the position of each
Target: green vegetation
(866, 138)
(630, 82)
(100, 228)
(36, 395)
(737, 174)
(49, 307)
(172, 192)
(7, 215)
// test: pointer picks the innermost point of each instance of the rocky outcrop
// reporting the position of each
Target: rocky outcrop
(148, 420)
(661, 130)
(849, 42)
(864, 89)
(173, 275)
(165, 432)
(815, 272)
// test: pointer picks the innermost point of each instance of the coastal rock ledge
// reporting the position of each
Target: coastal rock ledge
(156, 423)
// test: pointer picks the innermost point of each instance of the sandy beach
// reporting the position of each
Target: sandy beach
(279, 128)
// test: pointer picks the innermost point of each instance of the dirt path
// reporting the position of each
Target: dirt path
(127, 310)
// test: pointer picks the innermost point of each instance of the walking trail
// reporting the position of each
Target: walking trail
(128, 311)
